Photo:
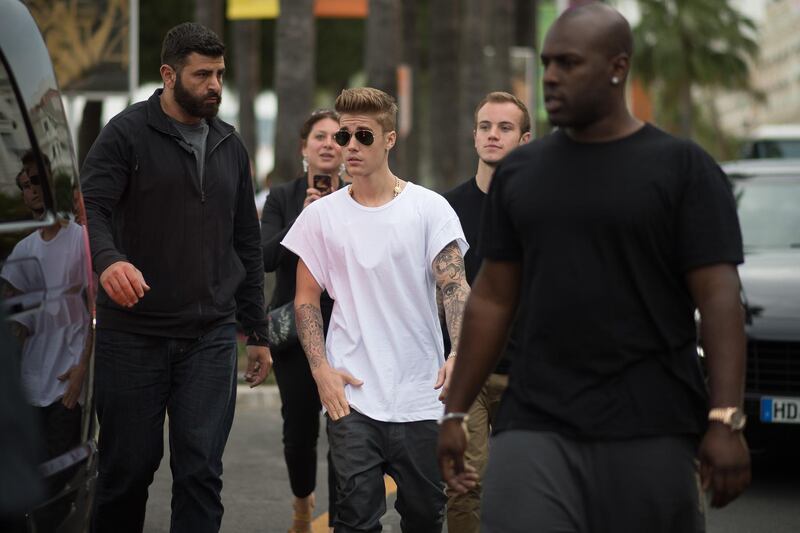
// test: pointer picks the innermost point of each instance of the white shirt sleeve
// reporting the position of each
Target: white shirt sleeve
(304, 239)
(443, 227)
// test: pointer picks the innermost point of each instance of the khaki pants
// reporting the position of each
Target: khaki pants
(464, 510)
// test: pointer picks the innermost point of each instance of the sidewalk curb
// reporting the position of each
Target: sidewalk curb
(261, 397)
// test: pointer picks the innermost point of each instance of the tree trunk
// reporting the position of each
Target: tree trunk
(525, 23)
(210, 13)
(502, 35)
(247, 37)
(89, 128)
(294, 83)
(381, 53)
(686, 111)
(381, 46)
(444, 112)
(408, 152)
(473, 83)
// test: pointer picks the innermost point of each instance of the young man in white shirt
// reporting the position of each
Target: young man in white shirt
(380, 247)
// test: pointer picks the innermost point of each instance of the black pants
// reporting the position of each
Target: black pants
(540, 482)
(363, 450)
(139, 379)
(300, 409)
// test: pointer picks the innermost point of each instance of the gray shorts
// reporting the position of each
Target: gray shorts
(543, 482)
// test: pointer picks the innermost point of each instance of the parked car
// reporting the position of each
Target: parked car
(46, 290)
(773, 141)
(767, 194)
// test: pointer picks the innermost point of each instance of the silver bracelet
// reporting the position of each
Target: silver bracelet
(451, 355)
(453, 416)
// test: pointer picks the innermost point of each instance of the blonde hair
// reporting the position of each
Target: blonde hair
(369, 101)
(500, 97)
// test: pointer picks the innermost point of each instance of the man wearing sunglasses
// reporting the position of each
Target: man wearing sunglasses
(30, 184)
(378, 370)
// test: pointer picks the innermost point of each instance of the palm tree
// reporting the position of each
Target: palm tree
(210, 13)
(294, 82)
(681, 45)
(247, 37)
(444, 109)
(380, 47)
(473, 79)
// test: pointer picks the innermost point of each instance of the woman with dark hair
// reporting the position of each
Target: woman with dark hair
(300, 405)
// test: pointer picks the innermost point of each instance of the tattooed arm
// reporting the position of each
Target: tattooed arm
(451, 281)
(308, 316)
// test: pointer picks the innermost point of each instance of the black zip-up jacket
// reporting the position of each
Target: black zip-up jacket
(197, 243)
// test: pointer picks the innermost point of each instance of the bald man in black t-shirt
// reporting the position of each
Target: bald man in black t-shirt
(602, 239)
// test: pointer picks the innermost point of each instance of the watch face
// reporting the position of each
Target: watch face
(737, 420)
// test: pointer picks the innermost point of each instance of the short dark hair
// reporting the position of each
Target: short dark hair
(313, 118)
(29, 159)
(188, 37)
(501, 97)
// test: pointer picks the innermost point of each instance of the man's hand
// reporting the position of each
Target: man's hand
(452, 444)
(74, 378)
(330, 384)
(259, 363)
(124, 283)
(443, 378)
(724, 464)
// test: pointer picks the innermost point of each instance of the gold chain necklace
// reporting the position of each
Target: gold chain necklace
(395, 191)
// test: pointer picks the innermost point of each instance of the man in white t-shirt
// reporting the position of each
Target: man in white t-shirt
(380, 247)
(55, 349)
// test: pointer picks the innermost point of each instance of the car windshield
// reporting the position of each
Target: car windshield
(776, 148)
(769, 211)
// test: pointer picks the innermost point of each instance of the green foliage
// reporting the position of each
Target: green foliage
(686, 44)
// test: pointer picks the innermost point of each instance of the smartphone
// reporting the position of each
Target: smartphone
(322, 182)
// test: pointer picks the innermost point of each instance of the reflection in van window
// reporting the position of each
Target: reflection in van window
(20, 181)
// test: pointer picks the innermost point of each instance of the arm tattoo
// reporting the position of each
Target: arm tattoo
(451, 280)
(309, 329)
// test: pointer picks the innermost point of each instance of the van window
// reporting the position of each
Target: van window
(23, 183)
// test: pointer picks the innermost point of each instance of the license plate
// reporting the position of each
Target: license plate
(780, 410)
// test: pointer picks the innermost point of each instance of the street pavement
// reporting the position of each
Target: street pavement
(257, 497)
(256, 492)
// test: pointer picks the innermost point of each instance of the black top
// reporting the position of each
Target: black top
(195, 241)
(467, 201)
(606, 233)
(283, 206)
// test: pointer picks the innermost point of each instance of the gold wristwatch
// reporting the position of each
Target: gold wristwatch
(733, 417)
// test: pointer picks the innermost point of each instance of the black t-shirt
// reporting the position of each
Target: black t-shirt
(606, 233)
(467, 201)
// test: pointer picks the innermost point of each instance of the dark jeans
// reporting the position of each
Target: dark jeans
(541, 482)
(363, 450)
(138, 379)
(300, 409)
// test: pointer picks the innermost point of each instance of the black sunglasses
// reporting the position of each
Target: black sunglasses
(365, 137)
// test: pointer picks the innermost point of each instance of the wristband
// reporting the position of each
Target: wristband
(451, 355)
(453, 416)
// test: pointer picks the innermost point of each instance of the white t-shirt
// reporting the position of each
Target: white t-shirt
(57, 332)
(377, 265)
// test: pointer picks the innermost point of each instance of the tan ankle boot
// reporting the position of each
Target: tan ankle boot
(303, 514)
